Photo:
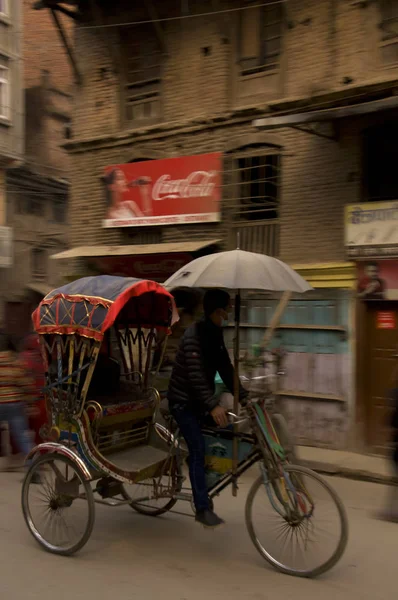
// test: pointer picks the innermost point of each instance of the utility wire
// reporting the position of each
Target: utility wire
(167, 19)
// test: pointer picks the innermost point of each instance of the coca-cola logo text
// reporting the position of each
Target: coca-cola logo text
(199, 184)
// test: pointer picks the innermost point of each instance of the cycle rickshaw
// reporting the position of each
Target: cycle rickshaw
(104, 444)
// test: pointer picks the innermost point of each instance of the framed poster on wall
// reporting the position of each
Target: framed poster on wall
(378, 280)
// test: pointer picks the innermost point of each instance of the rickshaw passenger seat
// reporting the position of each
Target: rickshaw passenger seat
(106, 377)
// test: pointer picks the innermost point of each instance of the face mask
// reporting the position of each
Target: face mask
(224, 323)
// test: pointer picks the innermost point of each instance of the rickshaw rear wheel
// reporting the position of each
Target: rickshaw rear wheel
(56, 499)
(156, 506)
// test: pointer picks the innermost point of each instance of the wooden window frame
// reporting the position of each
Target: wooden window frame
(59, 204)
(5, 88)
(143, 91)
(239, 215)
(262, 63)
(39, 271)
(4, 8)
(388, 38)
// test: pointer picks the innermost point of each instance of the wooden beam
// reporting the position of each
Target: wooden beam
(65, 11)
(276, 317)
(41, 4)
(58, 24)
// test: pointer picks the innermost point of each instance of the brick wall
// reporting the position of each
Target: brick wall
(322, 52)
(49, 87)
(43, 49)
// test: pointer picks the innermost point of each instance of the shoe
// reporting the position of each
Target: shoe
(390, 516)
(208, 519)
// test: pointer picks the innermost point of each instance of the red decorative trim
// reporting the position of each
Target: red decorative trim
(94, 300)
(68, 330)
(138, 289)
(130, 407)
(36, 318)
(114, 308)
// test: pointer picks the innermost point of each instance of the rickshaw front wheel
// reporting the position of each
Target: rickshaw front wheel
(298, 523)
(58, 504)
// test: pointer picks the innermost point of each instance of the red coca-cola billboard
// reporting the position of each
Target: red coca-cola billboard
(164, 192)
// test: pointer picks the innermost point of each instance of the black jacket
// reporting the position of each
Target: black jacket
(202, 353)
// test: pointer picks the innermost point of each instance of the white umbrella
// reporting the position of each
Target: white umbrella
(238, 270)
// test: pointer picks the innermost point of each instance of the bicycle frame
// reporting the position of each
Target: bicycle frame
(263, 439)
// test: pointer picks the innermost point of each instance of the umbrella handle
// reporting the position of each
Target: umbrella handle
(235, 448)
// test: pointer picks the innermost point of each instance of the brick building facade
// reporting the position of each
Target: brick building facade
(37, 190)
(183, 83)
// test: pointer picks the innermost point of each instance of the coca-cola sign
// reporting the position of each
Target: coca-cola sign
(163, 192)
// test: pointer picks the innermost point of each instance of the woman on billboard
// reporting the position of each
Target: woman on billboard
(117, 187)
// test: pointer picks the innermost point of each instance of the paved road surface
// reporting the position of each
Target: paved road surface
(171, 558)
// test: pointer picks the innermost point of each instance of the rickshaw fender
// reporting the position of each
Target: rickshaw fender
(54, 448)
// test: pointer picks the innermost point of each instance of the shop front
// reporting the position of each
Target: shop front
(372, 241)
(316, 332)
(144, 261)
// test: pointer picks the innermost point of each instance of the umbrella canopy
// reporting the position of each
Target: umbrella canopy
(239, 270)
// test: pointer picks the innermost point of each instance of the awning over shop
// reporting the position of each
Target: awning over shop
(39, 288)
(330, 114)
(135, 250)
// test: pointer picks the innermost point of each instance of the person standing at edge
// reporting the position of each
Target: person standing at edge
(16, 388)
(191, 394)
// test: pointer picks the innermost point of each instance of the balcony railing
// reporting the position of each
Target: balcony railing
(258, 236)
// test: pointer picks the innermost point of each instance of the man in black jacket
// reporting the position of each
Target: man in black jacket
(191, 395)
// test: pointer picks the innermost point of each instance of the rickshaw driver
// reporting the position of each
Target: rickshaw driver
(191, 394)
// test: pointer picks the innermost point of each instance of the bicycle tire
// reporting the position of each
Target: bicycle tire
(38, 463)
(341, 546)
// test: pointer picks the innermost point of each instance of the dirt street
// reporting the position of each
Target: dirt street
(131, 556)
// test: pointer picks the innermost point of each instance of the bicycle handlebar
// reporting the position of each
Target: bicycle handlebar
(237, 419)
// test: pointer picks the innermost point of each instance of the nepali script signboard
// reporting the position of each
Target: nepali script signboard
(371, 229)
(164, 192)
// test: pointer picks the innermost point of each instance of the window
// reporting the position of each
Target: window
(389, 29)
(3, 7)
(34, 205)
(260, 36)
(30, 204)
(4, 93)
(59, 210)
(257, 186)
(39, 264)
(142, 74)
(379, 163)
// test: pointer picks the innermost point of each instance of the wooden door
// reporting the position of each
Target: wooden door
(381, 372)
